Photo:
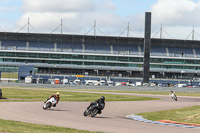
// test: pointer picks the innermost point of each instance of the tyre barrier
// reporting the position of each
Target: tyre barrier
(141, 119)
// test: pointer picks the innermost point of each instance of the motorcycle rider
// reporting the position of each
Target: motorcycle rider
(172, 93)
(56, 96)
(101, 103)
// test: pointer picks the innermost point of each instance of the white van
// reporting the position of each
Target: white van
(181, 85)
(102, 82)
(65, 81)
(89, 82)
(138, 84)
(28, 79)
(110, 83)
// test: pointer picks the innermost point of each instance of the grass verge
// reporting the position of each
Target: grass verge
(24, 95)
(189, 115)
(21, 127)
(193, 94)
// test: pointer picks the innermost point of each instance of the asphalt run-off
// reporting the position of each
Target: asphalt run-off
(113, 118)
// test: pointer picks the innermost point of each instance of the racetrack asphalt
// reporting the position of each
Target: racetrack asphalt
(113, 118)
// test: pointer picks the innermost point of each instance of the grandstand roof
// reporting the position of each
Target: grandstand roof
(63, 38)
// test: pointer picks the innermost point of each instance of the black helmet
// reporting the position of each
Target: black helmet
(102, 98)
(172, 91)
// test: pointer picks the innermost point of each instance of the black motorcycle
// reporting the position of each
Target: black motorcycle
(93, 110)
(174, 97)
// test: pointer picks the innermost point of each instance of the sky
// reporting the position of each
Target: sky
(179, 18)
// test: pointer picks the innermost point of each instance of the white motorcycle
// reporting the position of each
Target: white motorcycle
(173, 96)
(49, 103)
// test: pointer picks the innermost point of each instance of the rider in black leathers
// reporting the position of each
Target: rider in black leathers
(101, 103)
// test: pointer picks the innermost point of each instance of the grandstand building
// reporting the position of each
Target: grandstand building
(62, 54)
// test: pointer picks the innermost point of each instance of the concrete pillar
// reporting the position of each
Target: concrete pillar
(139, 50)
(147, 48)
(55, 47)
(83, 45)
(194, 53)
(167, 51)
(27, 46)
(111, 49)
(83, 48)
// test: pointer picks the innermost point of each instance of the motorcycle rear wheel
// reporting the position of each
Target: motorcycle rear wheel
(94, 112)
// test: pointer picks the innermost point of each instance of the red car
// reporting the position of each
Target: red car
(123, 84)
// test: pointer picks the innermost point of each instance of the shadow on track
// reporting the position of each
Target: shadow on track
(102, 117)
(57, 110)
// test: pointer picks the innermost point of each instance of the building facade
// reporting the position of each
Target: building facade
(61, 54)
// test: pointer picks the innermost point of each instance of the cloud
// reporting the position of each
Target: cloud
(78, 15)
(58, 5)
(108, 5)
(44, 21)
(176, 12)
(177, 16)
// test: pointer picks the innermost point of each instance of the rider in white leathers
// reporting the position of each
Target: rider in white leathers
(172, 93)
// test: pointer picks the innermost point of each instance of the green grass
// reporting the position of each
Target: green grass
(194, 94)
(22, 95)
(189, 115)
(21, 127)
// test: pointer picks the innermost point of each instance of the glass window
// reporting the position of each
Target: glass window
(20, 60)
(65, 62)
(132, 65)
(33, 55)
(44, 55)
(66, 56)
(99, 57)
(112, 64)
(52, 62)
(176, 61)
(74, 56)
(36, 61)
(90, 57)
(189, 61)
(156, 60)
(112, 58)
(55, 56)
(122, 64)
(123, 58)
(9, 60)
(197, 62)
(89, 63)
(192, 67)
(156, 66)
(76, 63)
(177, 67)
(21, 54)
(1, 53)
(134, 59)
(9, 54)
(100, 63)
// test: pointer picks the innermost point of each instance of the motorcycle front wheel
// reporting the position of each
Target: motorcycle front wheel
(48, 105)
(85, 113)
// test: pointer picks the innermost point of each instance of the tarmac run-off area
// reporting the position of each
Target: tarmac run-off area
(113, 118)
